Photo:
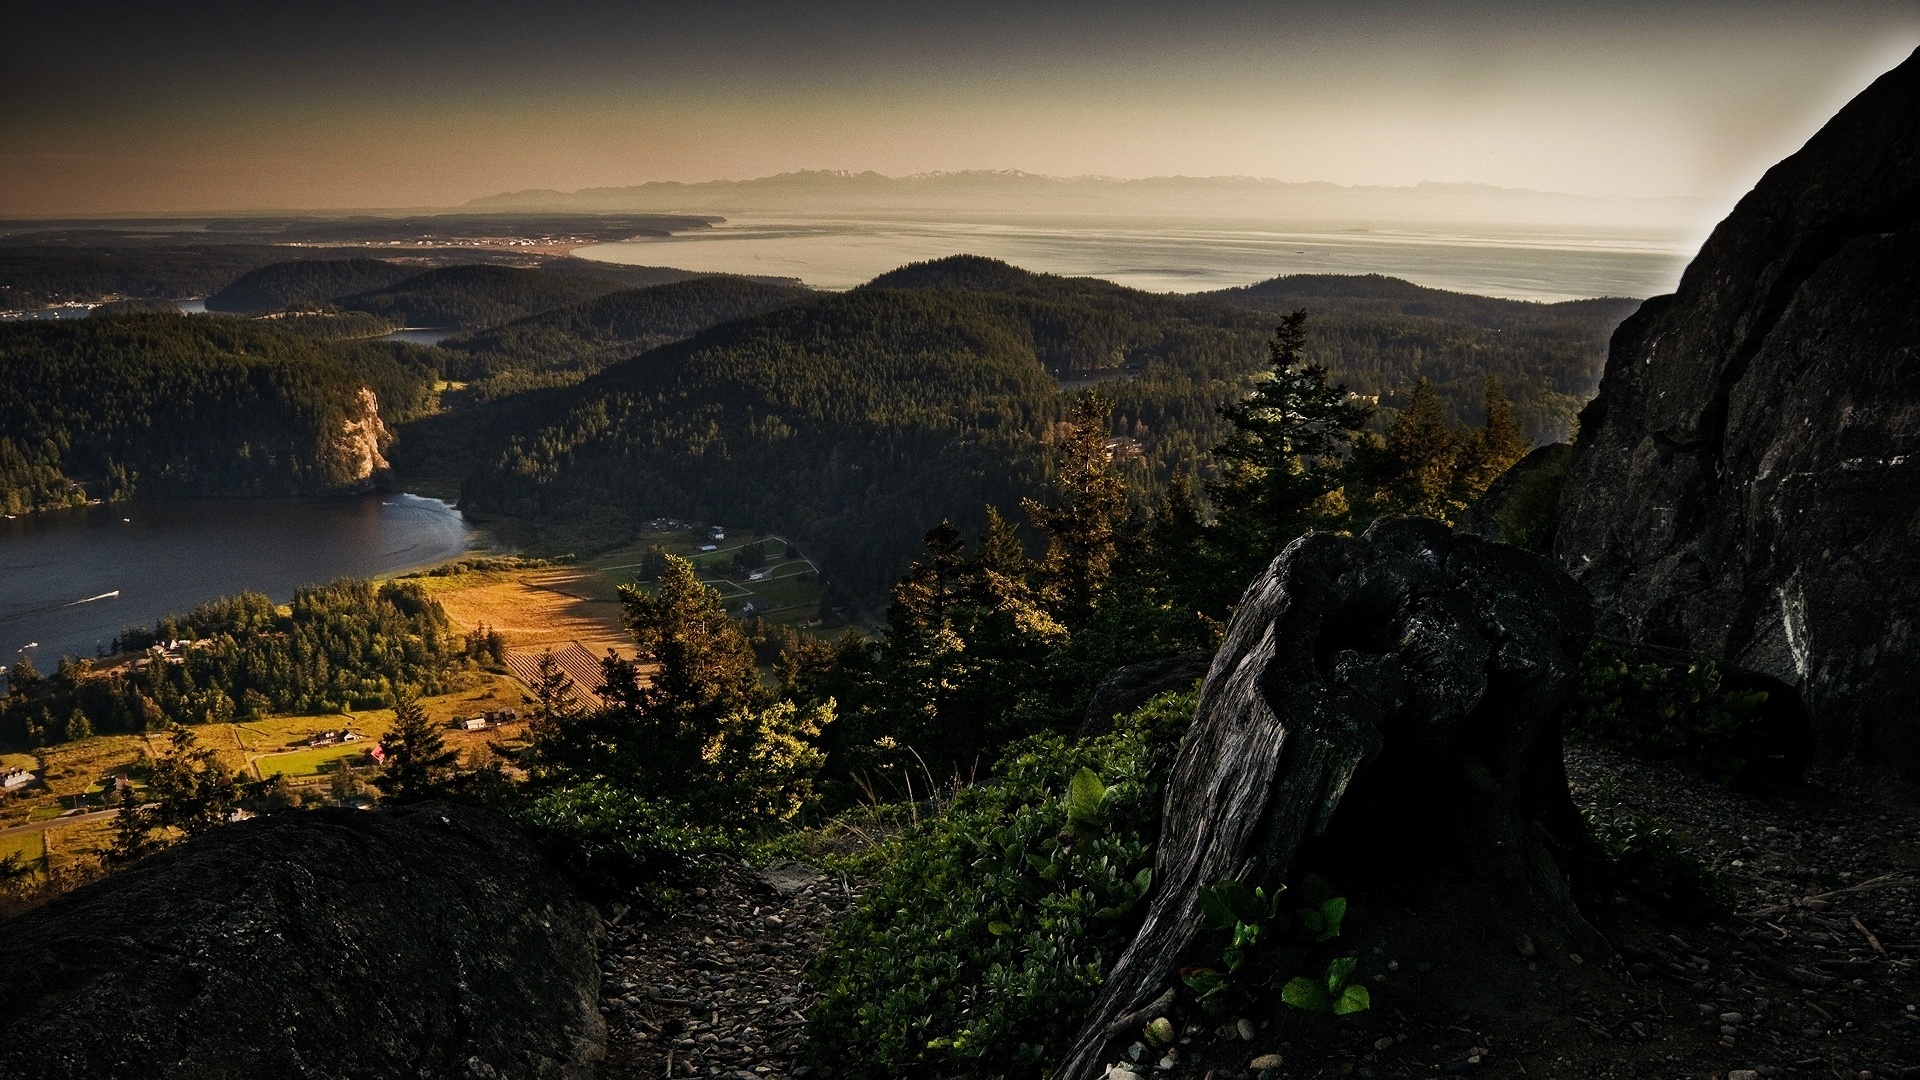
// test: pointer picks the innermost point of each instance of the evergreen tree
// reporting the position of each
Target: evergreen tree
(1422, 453)
(1087, 527)
(24, 678)
(1280, 468)
(1001, 550)
(1178, 558)
(557, 728)
(703, 669)
(416, 762)
(190, 790)
(1490, 449)
(132, 835)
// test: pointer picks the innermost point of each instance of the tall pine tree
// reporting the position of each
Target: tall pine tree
(416, 763)
(1280, 469)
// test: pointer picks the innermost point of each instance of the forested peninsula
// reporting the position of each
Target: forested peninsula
(168, 405)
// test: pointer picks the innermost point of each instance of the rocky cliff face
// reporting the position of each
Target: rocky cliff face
(1747, 484)
(353, 455)
(429, 942)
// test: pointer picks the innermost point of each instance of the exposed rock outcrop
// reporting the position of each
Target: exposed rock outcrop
(1398, 696)
(1519, 508)
(428, 942)
(354, 455)
(1747, 485)
(1127, 688)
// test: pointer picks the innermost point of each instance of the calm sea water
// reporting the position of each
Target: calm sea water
(166, 556)
(1526, 263)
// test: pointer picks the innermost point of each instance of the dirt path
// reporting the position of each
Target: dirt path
(715, 988)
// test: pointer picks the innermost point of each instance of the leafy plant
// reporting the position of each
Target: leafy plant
(613, 839)
(1334, 993)
(1658, 863)
(1256, 948)
(991, 928)
(1665, 710)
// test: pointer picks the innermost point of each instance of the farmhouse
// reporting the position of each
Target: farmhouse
(12, 779)
(490, 719)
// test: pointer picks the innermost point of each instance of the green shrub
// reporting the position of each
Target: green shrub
(1664, 710)
(1657, 863)
(986, 938)
(612, 839)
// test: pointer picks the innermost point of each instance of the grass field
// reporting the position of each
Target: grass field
(74, 767)
(537, 608)
(551, 606)
(30, 846)
(303, 763)
(78, 842)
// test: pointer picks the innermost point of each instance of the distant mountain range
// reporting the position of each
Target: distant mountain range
(1201, 197)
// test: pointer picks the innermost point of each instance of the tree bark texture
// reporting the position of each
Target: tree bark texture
(1392, 700)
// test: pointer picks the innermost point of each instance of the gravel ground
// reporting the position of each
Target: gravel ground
(715, 987)
(1812, 974)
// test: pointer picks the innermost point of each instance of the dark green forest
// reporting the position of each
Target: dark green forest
(934, 390)
(848, 420)
(1373, 330)
(37, 276)
(473, 296)
(306, 283)
(467, 294)
(589, 336)
(176, 405)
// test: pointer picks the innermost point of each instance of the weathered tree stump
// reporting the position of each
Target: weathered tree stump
(1393, 700)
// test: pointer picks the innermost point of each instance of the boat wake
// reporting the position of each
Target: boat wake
(103, 596)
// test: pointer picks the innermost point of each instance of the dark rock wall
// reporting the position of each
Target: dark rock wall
(1747, 484)
(428, 942)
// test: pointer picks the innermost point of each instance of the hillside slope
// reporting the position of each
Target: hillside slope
(855, 421)
(161, 405)
(305, 283)
(590, 335)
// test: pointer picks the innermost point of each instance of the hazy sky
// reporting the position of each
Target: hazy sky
(254, 106)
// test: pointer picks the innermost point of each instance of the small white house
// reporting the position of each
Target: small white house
(14, 778)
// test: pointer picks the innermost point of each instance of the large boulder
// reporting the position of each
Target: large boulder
(1746, 486)
(428, 942)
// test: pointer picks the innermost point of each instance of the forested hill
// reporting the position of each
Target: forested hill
(306, 283)
(163, 405)
(1373, 331)
(38, 275)
(1377, 294)
(855, 421)
(475, 296)
(588, 336)
(850, 422)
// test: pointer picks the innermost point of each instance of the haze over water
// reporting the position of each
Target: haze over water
(1543, 263)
